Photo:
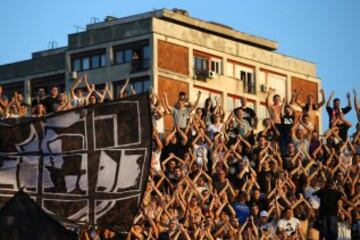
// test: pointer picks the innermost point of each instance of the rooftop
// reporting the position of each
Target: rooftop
(182, 17)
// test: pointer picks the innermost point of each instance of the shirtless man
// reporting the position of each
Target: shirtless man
(274, 108)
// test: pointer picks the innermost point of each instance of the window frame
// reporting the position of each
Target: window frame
(99, 53)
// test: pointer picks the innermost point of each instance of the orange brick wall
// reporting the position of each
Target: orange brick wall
(173, 57)
(309, 88)
(173, 87)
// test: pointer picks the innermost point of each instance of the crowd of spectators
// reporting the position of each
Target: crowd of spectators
(56, 101)
(215, 176)
(219, 175)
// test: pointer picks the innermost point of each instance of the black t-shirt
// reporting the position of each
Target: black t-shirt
(262, 203)
(50, 103)
(328, 201)
(343, 131)
(265, 177)
(307, 107)
(287, 123)
(249, 115)
(332, 112)
(269, 134)
(178, 149)
(36, 101)
(218, 185)
(234, 170)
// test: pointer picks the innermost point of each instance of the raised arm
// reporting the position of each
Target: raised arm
(320, 104)
(108, 92)
(122, 91)
(349, 100)
(4, 103)
(133, 92)
(267, 100)
(89, 88)
(330, 99)
(166, 102)
(101, 96)
(169, 137)
(196, 102)
(74, 86)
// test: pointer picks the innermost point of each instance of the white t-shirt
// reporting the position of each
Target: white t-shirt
(156, 161)
(301, 145)
(78, 102)
(289, 226)
(212, 129)
(200, 154)
(344, 231)
(181, 116)
(314, 200)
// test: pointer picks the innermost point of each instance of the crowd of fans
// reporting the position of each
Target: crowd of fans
(214, 176)
(43, 104)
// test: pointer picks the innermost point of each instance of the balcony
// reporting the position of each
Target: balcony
(139, 65)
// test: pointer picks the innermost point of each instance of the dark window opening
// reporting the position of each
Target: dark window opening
(137, 54)
(89, 60)
(249, 81)
(201, 68)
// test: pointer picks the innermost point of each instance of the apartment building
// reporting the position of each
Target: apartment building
(168, 50)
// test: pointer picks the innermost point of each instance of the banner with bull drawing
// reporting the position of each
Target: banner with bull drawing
(84, 165)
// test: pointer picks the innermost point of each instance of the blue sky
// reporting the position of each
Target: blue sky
(326, 32)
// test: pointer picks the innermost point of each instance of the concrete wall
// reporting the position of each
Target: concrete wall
(233, 48)
(265, 64)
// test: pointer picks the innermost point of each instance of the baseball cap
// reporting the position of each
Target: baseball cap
(264, 213)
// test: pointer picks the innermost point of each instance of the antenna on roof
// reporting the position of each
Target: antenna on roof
(94, 20)
(52, 45)
(78, 28)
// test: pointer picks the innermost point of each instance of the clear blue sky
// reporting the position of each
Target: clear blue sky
(326, 32)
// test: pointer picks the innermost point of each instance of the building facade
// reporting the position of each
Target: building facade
(174, 52)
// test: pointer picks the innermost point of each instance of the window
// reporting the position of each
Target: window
(138, 54)
(277, 82)
(77, 65)
(146, 56)
(246, 75)
(140, 85)
(88, 60)
(123, 56)
(201, 67)
(95, 61)
(205, 63)
(85, 63)
(248, 80)
(103, 61)
(216, 65)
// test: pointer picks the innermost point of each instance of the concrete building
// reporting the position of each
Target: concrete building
(176, 53)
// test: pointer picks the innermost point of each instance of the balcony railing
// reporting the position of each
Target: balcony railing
(139, 65)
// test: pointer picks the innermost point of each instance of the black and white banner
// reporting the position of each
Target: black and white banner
(84, 165)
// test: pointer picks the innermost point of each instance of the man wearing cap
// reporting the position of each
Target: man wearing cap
(265, 225)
